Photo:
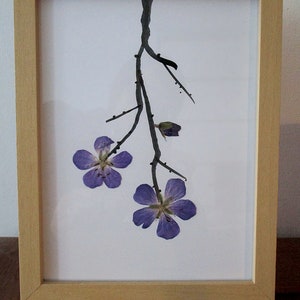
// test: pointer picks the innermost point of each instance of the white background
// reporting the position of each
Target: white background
(289, 207)
(88, 74)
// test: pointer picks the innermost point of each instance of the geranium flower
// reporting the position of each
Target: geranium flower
(102, 166)
(168, 128)
(163, 208)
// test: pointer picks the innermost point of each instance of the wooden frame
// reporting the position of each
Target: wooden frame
(32, 283)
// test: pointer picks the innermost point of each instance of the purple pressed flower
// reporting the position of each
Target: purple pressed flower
(101, 166)
(163, 208)
(168, 129)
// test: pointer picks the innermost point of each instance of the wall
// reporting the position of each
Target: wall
(8, 191)
(289, 176)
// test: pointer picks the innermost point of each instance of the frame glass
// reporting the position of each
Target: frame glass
(46, 262)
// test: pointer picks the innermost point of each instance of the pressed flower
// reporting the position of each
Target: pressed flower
(101, 165)
(168, 129)
(171, 204)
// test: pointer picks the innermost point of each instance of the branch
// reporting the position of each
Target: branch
(145, 20)
(155, 145)
(139, 101)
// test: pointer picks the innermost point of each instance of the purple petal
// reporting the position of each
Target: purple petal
(167, 228)
(173, 130)
(184, 209)
(175, 189)
(102, 143)
(145, 195)
(112, 178)
(144, 216)
(93, 178)
(84, 160)
(121, 160)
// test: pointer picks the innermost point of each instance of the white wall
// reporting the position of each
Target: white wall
(8, 190)
(289, 177)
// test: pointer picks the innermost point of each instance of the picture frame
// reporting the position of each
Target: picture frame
(32, 283)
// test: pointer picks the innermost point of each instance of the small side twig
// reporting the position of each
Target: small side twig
(171, 170)
(122, 114)
(179, 83)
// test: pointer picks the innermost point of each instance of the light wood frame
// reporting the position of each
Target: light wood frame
(32, 284)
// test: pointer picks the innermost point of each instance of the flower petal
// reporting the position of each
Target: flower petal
(144, 216)
(167, 228)
(121, 160)
(145, 195)
(112, 178)
(184, 209)
(175, 189)
(93, 178)
(84, 160)
(102, 143)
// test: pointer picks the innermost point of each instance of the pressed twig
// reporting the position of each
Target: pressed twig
(143, 99)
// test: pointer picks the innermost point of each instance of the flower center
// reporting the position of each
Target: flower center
(162, 208)
(103, 161)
